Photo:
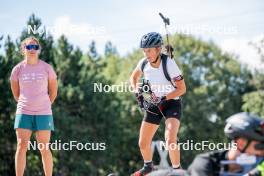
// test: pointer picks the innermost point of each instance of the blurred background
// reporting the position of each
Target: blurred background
(219, 45)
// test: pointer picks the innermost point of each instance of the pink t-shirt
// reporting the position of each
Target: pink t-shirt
(33, 86)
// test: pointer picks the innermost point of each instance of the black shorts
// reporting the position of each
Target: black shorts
(171, 109)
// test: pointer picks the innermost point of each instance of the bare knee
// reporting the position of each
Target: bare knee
(143, 144)
(45, 152)
(22, 146)
(171, 142)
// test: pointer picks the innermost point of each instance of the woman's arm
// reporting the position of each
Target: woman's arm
(53, 89)
(179, 91)
(134, 78)
(15, 89)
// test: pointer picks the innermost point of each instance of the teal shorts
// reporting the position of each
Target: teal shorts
(34, 122)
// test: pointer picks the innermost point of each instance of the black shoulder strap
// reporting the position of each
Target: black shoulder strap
(144, 63)
(164, 59)
(164, 67)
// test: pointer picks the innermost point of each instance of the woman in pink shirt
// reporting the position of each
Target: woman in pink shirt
(34, 87)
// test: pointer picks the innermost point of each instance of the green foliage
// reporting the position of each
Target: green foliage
(254, 102)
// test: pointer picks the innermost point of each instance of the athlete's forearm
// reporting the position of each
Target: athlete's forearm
(179, 91)
(134, 80)
(15, 90)
(53, 93)
(53, 89)
(15, 95)
(175, 93)
(52, 96)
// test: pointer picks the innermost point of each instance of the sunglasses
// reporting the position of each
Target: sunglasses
(32, 47)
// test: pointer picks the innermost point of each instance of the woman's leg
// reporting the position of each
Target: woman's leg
(23, 137)
(147, 131)
(171, 131)
(43, 138)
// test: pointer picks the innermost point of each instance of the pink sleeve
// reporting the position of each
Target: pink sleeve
(51, 73)
(14, 74)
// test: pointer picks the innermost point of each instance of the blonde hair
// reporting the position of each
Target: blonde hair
(25, 41)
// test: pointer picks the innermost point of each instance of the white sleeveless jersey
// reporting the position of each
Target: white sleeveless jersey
(159, 84)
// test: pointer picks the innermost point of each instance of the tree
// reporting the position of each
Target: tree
(7, 107)
(110, 49)
(253, 101)
(92, 50)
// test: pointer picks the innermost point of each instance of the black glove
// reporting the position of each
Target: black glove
(140, 100)
(155, 106)
(160, 101)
